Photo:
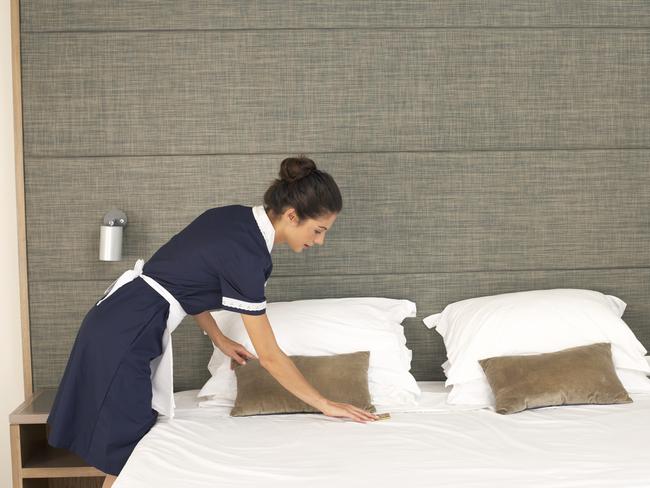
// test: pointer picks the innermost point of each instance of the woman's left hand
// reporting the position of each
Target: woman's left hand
(233, 350)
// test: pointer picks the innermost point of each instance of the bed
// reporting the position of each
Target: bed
(431, 444)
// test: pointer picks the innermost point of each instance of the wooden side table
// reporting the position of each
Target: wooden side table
(35, 464)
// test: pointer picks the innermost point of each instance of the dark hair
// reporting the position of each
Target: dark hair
(312, 192)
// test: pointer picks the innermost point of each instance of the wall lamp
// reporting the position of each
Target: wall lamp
(110, 235)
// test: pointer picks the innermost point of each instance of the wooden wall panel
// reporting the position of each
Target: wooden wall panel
(481, 147)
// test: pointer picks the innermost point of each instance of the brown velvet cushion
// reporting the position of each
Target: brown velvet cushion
(577, 375)
(340, 378)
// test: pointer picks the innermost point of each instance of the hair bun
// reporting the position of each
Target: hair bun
(294, 169)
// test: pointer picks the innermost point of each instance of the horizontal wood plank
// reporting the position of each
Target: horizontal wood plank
(39, 15)
(61, 306)
(402, 213)
(251, 92)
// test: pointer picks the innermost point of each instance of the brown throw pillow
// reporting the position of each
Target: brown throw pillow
(577, 375)
(340, 378)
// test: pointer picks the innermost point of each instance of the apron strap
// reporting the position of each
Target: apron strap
(128, 275)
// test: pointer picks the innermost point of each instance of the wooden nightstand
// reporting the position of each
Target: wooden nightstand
(35, 464)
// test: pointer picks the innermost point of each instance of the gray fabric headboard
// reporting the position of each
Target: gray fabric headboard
(480, 149)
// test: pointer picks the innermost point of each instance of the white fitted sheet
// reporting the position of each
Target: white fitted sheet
(433, 444)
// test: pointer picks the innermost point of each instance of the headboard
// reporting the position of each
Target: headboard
(480, 149)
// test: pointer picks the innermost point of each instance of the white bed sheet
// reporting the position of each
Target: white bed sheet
(432, 445)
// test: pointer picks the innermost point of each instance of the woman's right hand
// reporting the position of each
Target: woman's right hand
(336, 409)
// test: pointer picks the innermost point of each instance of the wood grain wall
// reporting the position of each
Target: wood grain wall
(480, 148)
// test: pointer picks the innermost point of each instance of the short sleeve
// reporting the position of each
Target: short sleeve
(243, 291)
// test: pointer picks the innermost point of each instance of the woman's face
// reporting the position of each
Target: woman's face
(303, 234)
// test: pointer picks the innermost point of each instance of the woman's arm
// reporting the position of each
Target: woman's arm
(207, 323)
(277, 363)
(282, 368)
(229, 347)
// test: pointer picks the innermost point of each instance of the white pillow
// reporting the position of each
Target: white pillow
(533, 322)
(328, 326)
(476, 392)
(634, 381)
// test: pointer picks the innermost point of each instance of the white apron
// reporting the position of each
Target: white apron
(162, 367)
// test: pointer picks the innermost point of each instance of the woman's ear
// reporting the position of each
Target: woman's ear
(290, 213)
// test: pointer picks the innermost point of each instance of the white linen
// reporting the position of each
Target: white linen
(162, 367)
(440, 445)
(324, 327)
(532, 322)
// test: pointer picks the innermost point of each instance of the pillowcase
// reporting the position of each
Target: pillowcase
(572, 376)
(339, 377)
(326, 327)
(531, 322)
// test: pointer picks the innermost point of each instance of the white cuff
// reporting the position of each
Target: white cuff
(232, 302)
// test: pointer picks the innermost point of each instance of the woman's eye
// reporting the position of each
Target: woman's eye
(317, 232)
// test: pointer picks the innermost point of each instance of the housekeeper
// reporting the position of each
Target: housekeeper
(119, 375)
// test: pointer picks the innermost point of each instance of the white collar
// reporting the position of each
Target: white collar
(265, 225)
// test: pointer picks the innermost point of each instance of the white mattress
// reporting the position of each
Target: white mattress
(432, 445)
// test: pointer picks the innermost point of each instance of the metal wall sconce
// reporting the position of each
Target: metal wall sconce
(110, 235)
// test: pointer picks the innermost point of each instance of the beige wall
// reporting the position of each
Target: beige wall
(11, 370)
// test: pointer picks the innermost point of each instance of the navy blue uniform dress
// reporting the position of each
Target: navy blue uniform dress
(102, 408)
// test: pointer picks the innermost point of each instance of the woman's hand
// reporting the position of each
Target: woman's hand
(233, 350)
(335, 409)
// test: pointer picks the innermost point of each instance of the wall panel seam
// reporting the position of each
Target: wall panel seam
(171, 155)
(408, 273)
(355, 28)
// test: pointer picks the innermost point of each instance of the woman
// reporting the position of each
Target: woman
(119, 378)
